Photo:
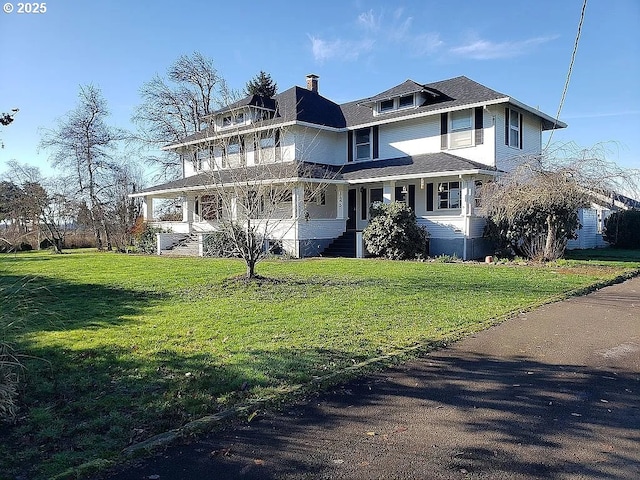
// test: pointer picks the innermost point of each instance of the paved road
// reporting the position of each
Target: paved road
(553, 393)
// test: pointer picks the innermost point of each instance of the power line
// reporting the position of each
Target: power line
(566, 83)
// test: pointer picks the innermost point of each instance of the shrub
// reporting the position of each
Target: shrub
(622, 229)
(394, 233)
(144, 236)
(223, 244)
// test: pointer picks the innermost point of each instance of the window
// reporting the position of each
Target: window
(513, 128)
(406, 101)
(461, 129)
(448, 195)
(233, 151)
(386, 105)
(211, 207)
(363, 143)
(229, 120)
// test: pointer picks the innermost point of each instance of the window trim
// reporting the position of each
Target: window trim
(446, 188)
(509, 128)
(458, 131)
(368, 143)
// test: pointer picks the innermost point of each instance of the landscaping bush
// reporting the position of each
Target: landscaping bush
(394, 233)
(221, 244)
(622, 229)
(144, 236)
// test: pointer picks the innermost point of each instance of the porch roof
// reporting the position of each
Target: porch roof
(417, 166)
(425, 165)
(273, 172)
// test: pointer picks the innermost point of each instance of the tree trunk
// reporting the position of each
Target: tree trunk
(550, 246)
(251, 269)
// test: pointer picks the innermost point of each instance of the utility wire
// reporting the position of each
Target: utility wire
(566, 83)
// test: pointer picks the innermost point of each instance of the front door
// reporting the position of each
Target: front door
(351, 209)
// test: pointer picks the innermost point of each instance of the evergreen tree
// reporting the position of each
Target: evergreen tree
(262, 85)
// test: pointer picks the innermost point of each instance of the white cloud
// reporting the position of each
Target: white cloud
(369, 21)
(324, 50)
(426, 44)
(377, 29)
(488, 50)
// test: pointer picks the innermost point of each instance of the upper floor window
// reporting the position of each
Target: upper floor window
(448, 195)
(513, 128)
(363, 143)
(461, 129)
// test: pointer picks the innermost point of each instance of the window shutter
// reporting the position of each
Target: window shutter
(444, 129)
(376, 141)
(521, 130)
(398, 195)
(350, 146)
(363, 204)
(412, 198)
(277, 138)
(479, 124)
(429, 197)
(506, 126)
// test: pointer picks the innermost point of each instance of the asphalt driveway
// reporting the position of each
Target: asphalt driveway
(554, 393)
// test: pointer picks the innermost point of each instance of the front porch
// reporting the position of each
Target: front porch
(307, 220)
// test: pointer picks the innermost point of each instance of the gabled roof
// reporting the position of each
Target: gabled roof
(299, 104)
(303, 105)
(250, 101)
(445, 95)
(295, 104)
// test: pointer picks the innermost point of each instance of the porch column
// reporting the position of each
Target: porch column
(147, 209)
(297, 202)
(466, 197)
(188, 205)
(389, 192)
(341, 202)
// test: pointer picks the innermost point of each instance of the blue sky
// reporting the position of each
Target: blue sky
(357, 47)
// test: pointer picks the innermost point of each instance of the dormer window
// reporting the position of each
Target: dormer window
(398, 103)
(237, 118)
(387, 105)
(405, 101)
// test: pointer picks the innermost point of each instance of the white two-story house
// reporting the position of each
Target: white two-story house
(429, 145)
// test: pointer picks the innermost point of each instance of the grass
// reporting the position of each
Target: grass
(119, 348)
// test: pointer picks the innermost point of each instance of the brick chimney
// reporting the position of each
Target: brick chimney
(312, 82)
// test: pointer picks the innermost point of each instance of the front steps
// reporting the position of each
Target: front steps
(343, 246)
(187, 247)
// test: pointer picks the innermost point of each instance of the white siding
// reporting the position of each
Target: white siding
(410, 137)
(507, 158)
(442, 226)
(422, 135)
(319, 146)
(589, 235)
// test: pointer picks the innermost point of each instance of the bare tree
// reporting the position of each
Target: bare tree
(47, 204)
(172, 108)
(84, 145)
(535, 207)
(260, 203)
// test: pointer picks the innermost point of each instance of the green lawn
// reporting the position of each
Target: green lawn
(119, 348)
